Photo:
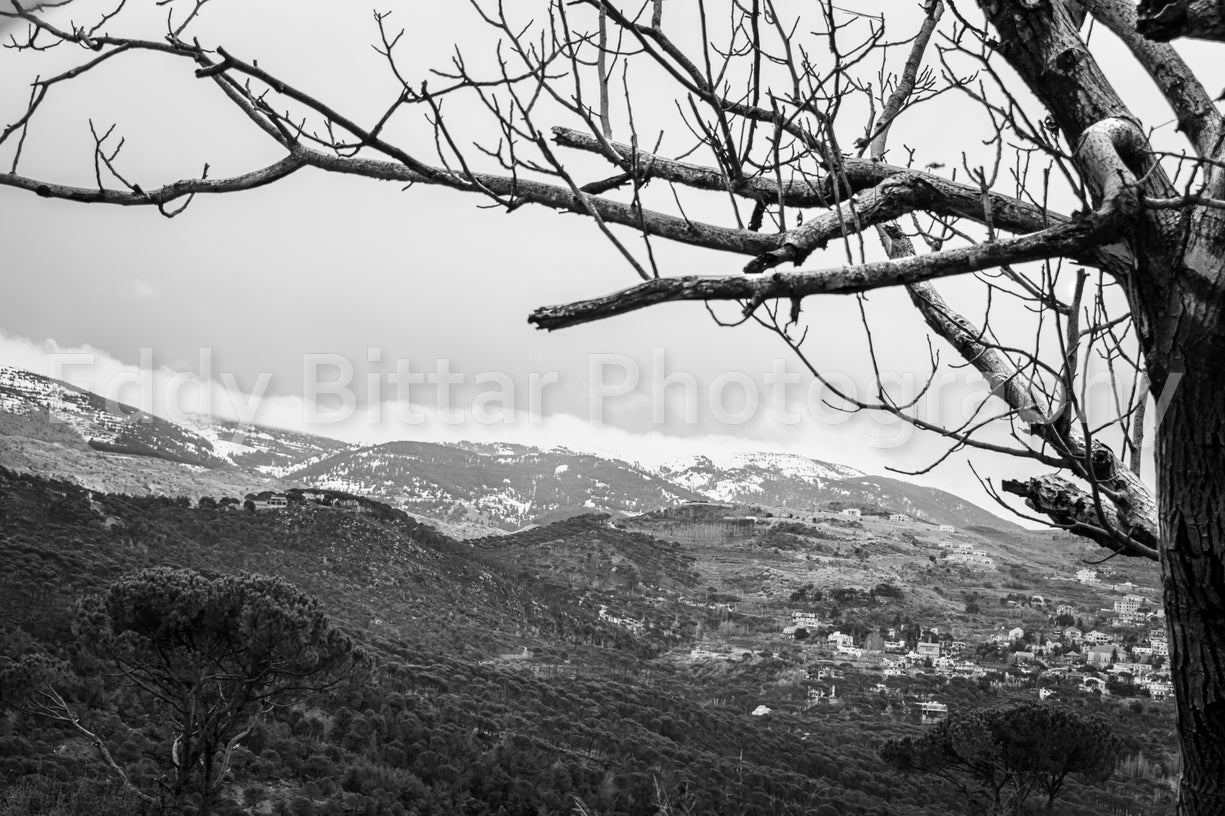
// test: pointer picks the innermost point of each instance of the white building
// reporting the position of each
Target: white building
(977, 558)
(840, 641)
(851, 514)
(271, 503)
(1129, 604)
(807, 620)
(1086, 576)
(899, 518)
(1158, 689)
(946, 528)
(931, 711)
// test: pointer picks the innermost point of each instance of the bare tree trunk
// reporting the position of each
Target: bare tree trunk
(1191, 487)
(207, 789)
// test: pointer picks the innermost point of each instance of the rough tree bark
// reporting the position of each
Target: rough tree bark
(1191, 484)
(1176, 291)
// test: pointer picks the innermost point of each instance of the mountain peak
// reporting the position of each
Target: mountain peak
(495, 484)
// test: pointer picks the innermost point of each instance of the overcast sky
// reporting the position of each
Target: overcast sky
(319, 265)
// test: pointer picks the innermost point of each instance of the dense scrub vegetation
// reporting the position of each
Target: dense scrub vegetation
(492, 686)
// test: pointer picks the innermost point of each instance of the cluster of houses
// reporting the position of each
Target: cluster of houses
(902, 518)
(1090, 577)
(802, 620)
(1054, 657)
(1084, 575)
(271, 503)
(965, 554)
(636, 627)
(1135, 610)
(1142, 661)
(281, 501)
(891, 656)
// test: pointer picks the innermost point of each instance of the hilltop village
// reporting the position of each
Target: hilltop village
(1110, 641)
(892, 600)
(1128, 653)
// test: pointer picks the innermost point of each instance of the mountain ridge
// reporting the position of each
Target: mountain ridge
(51, 427)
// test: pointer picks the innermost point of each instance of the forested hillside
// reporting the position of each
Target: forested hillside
(503, 678)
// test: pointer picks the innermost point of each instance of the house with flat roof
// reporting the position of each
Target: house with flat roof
(931, 711)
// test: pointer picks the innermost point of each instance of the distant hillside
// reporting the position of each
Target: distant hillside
(924, 503)
(113, 427)
(777, 479)
(271, 451)
(608, 661)
(591, 552)
(799, 483)
(52, 428)
(504, 486)
(377, 568)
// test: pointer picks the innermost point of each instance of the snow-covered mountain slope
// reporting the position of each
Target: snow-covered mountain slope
(761, 477)
(505, 486)
(270, 451)
(102, 424)
(799, 483)
(53, 428)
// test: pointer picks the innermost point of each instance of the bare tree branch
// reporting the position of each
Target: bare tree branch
(1194, 108)
(856, 175)
(1074, 509)
(1165, 20)
(1071, 239)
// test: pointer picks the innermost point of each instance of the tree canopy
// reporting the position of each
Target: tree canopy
(1010, 752)
(214, 654)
